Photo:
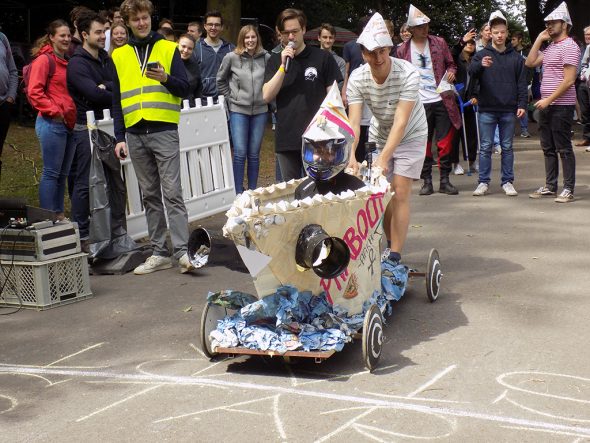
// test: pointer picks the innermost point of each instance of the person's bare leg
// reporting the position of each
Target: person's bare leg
(397, 214)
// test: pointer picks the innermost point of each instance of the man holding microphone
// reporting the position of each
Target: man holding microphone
(298, 79)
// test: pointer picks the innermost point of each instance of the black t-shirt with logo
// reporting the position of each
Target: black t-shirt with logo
(302, 93)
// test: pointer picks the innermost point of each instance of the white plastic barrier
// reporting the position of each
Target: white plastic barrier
(205, 165)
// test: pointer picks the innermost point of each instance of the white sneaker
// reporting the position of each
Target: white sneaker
(153, 264)
(497, 149)
(587, 149)
(566, 196)
(459, 170)
(509, 189)
(185, 264)
(482, 189)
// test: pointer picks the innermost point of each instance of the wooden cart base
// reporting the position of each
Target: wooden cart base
(371, 334)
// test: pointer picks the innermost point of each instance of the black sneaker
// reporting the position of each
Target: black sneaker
(447, 188)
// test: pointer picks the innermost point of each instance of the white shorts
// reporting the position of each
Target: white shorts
(407, 160)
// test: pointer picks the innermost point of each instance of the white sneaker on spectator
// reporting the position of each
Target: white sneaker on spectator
(482, 189)
(566, 196)
(152, 264)
(458, 169)
(185, 264)
(509, 189)
(497, 149)
(587, 149)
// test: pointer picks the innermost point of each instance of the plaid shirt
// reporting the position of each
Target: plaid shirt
(442, 61)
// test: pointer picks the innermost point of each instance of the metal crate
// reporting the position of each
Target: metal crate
(46, 284)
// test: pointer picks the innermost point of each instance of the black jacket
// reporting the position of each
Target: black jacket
(502, 86)
(84, 75)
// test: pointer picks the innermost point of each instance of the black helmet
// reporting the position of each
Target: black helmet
(324, 159)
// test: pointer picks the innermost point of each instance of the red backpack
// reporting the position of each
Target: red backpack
(27, 75)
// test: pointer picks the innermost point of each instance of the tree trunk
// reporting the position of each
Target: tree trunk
(231, 11)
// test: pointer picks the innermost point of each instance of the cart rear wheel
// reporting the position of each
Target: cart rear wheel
(433, 275)
(372, 337)
(209, 317)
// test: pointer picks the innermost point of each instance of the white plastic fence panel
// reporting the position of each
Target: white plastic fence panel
(205, 166)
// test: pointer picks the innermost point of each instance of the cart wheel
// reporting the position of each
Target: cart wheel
(433, 275)
(372, 337)
(209, 317)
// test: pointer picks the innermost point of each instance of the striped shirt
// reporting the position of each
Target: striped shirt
(555, 57)
(402, 83)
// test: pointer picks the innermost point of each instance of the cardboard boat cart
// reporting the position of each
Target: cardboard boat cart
(371, 333)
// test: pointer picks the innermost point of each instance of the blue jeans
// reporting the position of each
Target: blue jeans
(246, 135)
(487, 126)
(78, 182)
(57, 150)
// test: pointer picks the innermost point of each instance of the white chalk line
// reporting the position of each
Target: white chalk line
(217, 408)
(76, 353)
(523, 428)
(305, 393)
(546, 414)
(112, 405)
(198, 351)
(345, 425)
(500, 397)
(359, 426)
(451, 422)
(13, 403)
(277, 417)
(403, 397)
(500, 379)
(432, 381)
(330, 376)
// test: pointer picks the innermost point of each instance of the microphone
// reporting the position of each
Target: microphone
(288, 61)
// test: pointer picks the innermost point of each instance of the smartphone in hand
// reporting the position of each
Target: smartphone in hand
(153, 65)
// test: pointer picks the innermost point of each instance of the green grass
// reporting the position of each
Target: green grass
(22, 164)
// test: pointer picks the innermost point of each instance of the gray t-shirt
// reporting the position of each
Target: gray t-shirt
(402, 83)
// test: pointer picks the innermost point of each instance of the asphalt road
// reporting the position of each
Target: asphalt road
(502, 355)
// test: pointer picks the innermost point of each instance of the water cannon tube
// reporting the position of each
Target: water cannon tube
(327, 256)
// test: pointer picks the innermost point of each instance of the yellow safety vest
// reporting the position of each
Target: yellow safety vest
(142, 97)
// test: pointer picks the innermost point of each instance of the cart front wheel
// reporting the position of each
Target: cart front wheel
(372, 337)
(433, 275)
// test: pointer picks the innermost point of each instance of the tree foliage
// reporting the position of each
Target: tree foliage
(537, 10)
(448, 19)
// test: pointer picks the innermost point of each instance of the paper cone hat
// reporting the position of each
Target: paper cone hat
(560, 13)
(497, 16)
(375, 34)
(331, 121)
(416, 17)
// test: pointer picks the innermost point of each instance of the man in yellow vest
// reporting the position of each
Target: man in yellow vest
(148, 84)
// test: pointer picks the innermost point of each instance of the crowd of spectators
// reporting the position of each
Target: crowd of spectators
(97, 60)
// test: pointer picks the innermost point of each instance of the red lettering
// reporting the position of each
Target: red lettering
(353, 241)
(362, 216)
(372, 220)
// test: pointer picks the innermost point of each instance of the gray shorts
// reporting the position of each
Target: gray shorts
(407, 159)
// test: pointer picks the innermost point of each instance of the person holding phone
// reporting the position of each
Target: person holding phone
(148, 84)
